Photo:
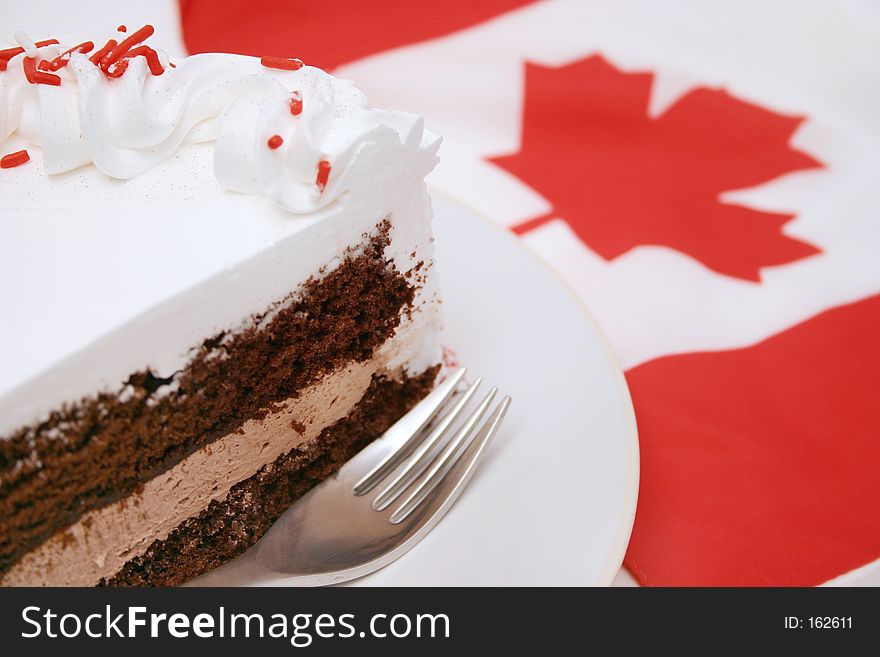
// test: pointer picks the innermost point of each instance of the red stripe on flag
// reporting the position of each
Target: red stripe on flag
(760, 465)
(327, 33)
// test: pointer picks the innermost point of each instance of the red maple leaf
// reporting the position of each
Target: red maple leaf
(327, 33)
(621, 178)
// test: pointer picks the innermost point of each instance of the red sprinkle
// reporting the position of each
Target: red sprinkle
(323, 174)
(14, 159)
(103, 50)
(44, 65)
(150, 55)
(9, 53)
(283, 63)
(172, 64)
(122, 28)
(40, 77)
(30, 69)
(125, 45)
(296, 103)
(274, 142)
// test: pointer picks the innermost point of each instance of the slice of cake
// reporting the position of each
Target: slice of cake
(217, 285)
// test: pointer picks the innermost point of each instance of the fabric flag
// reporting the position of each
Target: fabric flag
(706, 176)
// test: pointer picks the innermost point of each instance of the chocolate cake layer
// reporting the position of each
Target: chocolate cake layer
(102, 540)
(229, 527)
(101, 449)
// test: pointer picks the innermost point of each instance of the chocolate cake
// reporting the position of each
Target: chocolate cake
(217, 283)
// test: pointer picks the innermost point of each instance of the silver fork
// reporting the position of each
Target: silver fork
(389, 496)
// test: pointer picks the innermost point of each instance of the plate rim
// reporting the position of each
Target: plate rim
(633, 452)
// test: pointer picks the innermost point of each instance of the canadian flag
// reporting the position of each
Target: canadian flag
(707, 177)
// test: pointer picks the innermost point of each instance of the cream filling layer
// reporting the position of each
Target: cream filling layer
(103, 540)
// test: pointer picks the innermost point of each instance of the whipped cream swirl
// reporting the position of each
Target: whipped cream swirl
(126, 125)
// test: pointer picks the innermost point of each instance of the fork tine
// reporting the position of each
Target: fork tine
(444, 461)
(420, 460)
(406, 431)
(464, 465)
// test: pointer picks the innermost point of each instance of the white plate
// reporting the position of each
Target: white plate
(554, 499)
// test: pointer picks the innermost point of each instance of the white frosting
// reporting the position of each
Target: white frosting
(127, 125)
(121, 244)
